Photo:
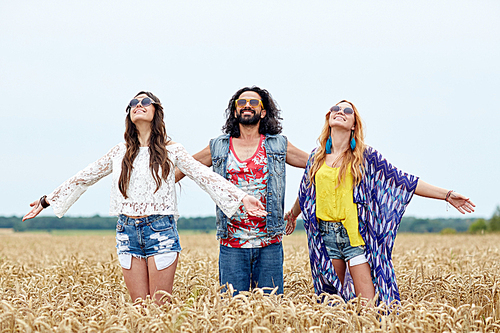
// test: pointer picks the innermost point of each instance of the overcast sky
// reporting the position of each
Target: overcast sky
(425, 76)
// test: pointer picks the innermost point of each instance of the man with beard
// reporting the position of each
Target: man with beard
(252, 155)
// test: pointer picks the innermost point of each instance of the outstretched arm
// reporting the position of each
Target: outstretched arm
(296, 157)
(291, 217)
(457, 200)
(225, 194)
(204, 157)
(64, 196)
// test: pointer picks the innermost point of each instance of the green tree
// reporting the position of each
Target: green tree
(448, 231)
(478, 226)
(495, 220)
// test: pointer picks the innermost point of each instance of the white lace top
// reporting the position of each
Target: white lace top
(142, 199)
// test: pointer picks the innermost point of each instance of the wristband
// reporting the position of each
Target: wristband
(44, 202)
(448, 195)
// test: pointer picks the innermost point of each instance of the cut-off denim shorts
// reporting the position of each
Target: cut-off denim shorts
(337, 241)
(154, 235)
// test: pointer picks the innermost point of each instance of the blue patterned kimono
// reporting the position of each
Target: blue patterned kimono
(381, 197)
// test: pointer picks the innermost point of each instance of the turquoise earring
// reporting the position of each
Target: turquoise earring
(353, 141)
(328, 148)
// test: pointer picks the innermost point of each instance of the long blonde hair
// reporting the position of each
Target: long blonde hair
(355, 157)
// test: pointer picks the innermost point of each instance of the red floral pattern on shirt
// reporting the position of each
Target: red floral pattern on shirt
(250, 176)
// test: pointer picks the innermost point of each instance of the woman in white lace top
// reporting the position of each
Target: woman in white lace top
(143, 196)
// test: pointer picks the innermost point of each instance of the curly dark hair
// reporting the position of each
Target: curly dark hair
(270, 124)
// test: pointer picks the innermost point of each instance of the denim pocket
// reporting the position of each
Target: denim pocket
(278, 162)
(217, 162)
(122, 238)
(119, 227)
(323, 233)
(323, 228)
(163, 224)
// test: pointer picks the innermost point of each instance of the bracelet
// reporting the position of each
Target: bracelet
(44, 202)
(294, 216)
(448, 195)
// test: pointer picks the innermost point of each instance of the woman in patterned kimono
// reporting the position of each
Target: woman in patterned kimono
(352, 201)
(143, 196)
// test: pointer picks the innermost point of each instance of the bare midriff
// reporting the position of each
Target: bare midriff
(136, 217)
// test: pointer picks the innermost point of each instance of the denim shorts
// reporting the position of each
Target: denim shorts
(148, 236)
(337, 241)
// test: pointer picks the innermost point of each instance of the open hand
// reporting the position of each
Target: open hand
(37, 208)
(291, 222)
(253, 206)
(461, 203)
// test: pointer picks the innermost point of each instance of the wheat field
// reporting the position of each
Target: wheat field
(73, 283)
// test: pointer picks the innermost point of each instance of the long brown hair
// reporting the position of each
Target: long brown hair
(355, 157)
(158, 155)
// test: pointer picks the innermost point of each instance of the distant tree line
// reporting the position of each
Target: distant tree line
(482, 225)
(408, 224)
(95, 223)
(417, 225)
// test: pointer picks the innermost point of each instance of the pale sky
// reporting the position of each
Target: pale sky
(425, 76)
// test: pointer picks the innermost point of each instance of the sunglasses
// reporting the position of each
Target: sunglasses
(145, 102)
(336, 108)
(253, 102)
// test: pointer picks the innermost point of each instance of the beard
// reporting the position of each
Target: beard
(248, 120)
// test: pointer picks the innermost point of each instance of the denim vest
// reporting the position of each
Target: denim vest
(276, 146)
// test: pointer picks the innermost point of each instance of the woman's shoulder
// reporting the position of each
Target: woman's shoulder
(173, 145)
(117, 149)
(373, 156)
(371, 152)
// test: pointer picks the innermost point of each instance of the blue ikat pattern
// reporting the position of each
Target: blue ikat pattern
(382, 197)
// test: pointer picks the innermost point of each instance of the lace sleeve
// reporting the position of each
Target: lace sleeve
(227, 196)
(63, 197)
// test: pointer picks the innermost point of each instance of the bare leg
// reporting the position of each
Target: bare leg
(339, 266)
(362, 278)
(161, 280)
(136, 279)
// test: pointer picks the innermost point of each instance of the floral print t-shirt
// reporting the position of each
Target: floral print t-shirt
(251, 176)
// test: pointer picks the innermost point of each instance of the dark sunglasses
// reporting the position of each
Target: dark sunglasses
(253, 102)
(336, 108)
(145, 102)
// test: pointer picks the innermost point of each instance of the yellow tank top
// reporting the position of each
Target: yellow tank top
(336, 204)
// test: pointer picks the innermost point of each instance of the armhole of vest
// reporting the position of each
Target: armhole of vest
(215, 141)
(282, 139)
(211, 145)
(286, 143)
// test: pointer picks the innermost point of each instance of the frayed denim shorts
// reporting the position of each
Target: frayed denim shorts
(154, 235)
(337, 241)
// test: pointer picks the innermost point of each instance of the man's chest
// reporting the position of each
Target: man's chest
(253, 163)
(245, 149)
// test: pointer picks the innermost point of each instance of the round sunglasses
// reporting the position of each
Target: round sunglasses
(145, 102)
(336, 108)
(253, 102)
